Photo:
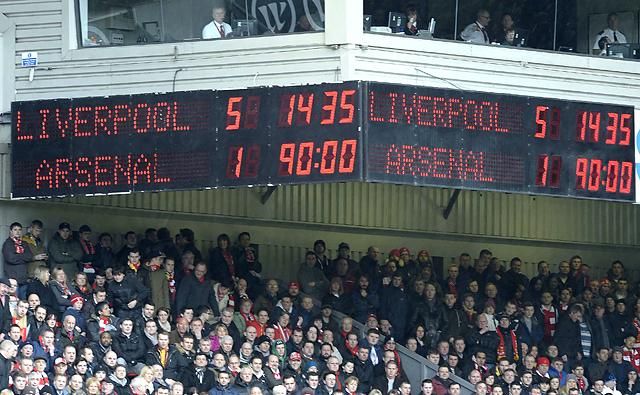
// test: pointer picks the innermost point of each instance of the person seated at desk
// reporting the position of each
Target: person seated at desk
(509, 38)
(411, 28)
(477, 31)
(217, 28)
(506, 24)
(609, 35)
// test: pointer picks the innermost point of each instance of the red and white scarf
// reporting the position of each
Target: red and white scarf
(502, 352)
(17, 243)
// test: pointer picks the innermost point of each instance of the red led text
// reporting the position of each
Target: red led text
(435, 162)
(336, 107)
(242, 112)
(443, 112)
(593, 174)
(101, 120)
(334, 157)
(100, 171)
(611, 129)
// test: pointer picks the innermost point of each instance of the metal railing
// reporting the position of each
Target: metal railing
(416, 367)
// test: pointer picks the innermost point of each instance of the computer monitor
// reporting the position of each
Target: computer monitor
(521, 38)
(627, 51)
(366, 23)
(244, 27)
(397, 21)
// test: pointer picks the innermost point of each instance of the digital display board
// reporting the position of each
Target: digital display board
(441, 137)
(184, 140)
(352, 131)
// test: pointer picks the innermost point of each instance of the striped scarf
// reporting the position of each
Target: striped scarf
(550, 319)
(585, 339)
(17, 244)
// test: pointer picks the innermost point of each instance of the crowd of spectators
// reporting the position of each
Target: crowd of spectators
(157, 317)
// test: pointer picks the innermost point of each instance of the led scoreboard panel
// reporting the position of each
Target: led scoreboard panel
(186, 140)
(352, 131)
(426, 136)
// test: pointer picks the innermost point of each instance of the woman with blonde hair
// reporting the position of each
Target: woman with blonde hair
(61, 288)
(351, 386)
(92, 386)
(40, 286)
(571, 384)
(147, 374)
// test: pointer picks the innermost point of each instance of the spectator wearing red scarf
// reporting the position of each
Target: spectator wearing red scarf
(16, 256)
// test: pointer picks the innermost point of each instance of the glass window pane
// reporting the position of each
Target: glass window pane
(130, 22)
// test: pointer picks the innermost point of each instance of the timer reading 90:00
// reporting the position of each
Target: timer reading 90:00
(331, 157)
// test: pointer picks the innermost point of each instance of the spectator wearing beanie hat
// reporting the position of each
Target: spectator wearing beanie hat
(77, 302)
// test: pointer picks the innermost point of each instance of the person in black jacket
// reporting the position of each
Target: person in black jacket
(16, 254)
(247, 264)
(567, 335)
(221, 263)
(195, 289)
(198, 376)
(87, 264)
(457, 320)
(129, 346)
(363, 370)
(126, 293)
(105, 256)
(165, 355)
(244, 381)
(482, 339)
(601, 330)
(8, 351)
(5, 311)
(390, 378)
(431, 314)
(395, 307)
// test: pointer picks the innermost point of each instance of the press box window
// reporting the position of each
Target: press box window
(135, 22)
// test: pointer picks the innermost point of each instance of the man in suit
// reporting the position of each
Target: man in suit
(390, 379)
(8, 351)
(198, 376)
(477, 31)
(217, 28)
(5, 310)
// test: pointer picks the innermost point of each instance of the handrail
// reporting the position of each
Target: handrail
(416, 367)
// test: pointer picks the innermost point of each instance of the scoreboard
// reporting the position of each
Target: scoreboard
(426, 136)
(351, 131)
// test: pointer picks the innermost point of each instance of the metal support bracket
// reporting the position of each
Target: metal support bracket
(266, 195)
(452, 202)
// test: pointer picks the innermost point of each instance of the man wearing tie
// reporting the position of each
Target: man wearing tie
(217, 28)
(609, 35)
(477, 31)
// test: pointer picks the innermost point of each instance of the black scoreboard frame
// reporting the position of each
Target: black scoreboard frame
(351, 131)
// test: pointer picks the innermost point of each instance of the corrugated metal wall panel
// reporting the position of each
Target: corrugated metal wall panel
(5, 171)
(406, 208)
